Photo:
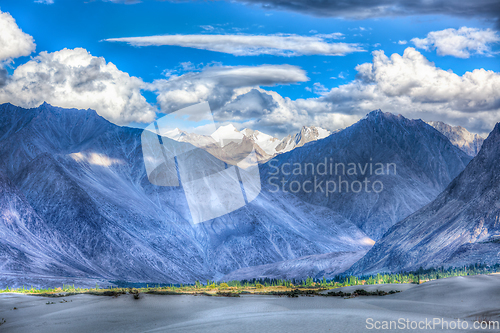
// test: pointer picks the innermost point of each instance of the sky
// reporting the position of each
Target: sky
(269, 65)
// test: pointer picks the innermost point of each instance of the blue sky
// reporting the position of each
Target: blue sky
(87, 25)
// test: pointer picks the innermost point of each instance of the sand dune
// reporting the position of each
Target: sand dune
(455, 298)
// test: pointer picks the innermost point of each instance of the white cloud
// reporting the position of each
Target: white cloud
(207, 27)
(75, 78)
(415, 87)
(405, 84)
(288, 116)
(319, 89)
(14, 42)
(334, 35)
(459, 43)
(235, 94)
(408, 84)
(217, 84)
(402, 42)
(45, 2)
(251, 45)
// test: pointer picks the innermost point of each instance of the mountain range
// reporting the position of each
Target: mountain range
(76, 200)
(266, 146)
(418, 163)
(83, 181)
(460, 227)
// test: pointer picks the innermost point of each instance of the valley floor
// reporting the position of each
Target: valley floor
(458, 298)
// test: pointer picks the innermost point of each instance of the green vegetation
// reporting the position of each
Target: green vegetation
(290, 288)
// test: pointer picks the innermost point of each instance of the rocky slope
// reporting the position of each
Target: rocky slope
(78, 201)
(83, 180)
(460, 227)
(460, 137)
(405, 163)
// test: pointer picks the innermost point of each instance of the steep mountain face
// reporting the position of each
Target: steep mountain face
(379, 170)
(83, 181)
(460, 137)
(78, 201)
(22, 237)
(460, 227)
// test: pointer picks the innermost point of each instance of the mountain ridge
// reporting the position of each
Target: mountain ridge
(425, 160)
(88, 186)
(460, 227)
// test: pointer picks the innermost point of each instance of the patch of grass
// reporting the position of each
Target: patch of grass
(227, 294)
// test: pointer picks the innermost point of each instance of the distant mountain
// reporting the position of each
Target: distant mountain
(306, 134)
(460, 227)
(80, 194)
(226, 134)
(417, 163)
(267, 142)
(460, 137)
(266, 146)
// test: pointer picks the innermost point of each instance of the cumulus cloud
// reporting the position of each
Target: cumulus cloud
(45, 2)
(75, 78)
(251, 45)
(459, 43)
(4, 76)
(218, 84)
(408, 84)
(288, 116)
(14, 42)
(413, 86)
(405, 84)
(252, 104)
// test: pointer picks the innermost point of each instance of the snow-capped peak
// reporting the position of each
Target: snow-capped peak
(174, 134)
(226, 134)
(267, 142)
